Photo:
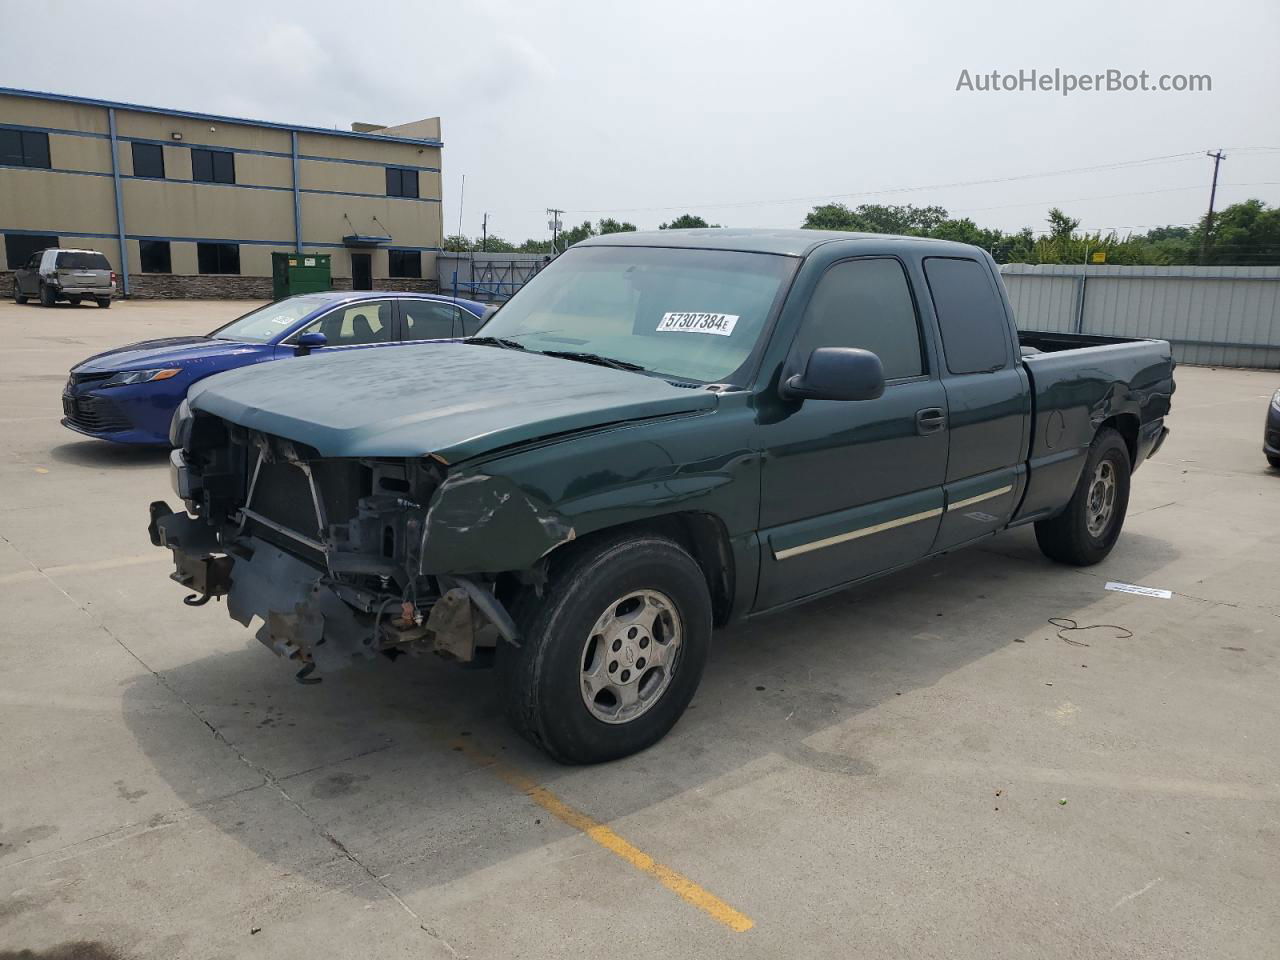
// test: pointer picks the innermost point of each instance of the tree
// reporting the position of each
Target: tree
(609, 225)
(457, 243)
(1060, 225)
(574, 235)
(534, 246)
(686, 221)
(1246, 233)
(907, 220)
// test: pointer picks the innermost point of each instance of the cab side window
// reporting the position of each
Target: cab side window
(358, 323)
(429, 320)
(865, 304)
(975, 333)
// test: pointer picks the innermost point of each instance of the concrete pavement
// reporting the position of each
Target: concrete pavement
(880, 774)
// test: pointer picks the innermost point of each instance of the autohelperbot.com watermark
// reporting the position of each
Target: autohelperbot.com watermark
(1065, 83)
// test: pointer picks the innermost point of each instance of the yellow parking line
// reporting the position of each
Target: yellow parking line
(674, 881)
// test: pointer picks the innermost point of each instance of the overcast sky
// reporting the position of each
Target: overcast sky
(746, 113)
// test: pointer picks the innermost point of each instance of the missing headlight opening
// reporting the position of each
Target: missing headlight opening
(324, 554)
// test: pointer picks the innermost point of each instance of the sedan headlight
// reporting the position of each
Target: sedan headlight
(127, 378)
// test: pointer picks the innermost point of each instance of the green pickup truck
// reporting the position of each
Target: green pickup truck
(660, 433)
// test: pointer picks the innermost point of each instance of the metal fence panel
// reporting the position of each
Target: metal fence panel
(1220, 316)
(485, 276)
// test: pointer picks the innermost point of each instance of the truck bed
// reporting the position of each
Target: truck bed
(1078, 383)
(1033, 341)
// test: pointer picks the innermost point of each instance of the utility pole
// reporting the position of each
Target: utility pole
(554, 224)
(484, 234)
(462, 195)
(1218, 157)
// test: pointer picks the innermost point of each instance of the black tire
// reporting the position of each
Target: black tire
(104, 302)
(1067, 538)
(1273, 460)
(47, 297)
(544, 678)
(18, 295)
(74, 301)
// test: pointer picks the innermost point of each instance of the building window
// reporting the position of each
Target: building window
(404, 263)
(19, 247)
(148, 161)
(155, 257)
(213, 166)
(24, 148)
(218, 257)
(402, 183)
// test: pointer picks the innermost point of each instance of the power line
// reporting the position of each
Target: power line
(1121, 164)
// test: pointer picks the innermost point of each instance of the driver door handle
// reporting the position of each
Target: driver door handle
(930, 420)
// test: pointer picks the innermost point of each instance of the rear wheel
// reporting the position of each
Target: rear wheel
(612, 653)
(104, 302)
(1273, 460)
(47, 297)
(1085, 532)
(75, 301)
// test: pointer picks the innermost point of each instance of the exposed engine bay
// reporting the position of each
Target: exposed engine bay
(328, 553)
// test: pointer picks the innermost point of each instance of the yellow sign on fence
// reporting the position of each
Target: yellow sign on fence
(1098, 256)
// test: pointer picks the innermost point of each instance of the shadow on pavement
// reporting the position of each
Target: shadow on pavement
(103, 453)
(371, 753)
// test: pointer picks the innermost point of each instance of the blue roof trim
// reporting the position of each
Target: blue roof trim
(210, 183)
(81, 173)
(214, 118)
(70, 133)
(288, 244)
(178, 144)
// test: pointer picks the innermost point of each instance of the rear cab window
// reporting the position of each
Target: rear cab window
(971, 317)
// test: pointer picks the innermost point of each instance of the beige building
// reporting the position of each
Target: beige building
(193, 205)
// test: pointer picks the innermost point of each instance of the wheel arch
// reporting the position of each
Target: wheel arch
(703, 535)
(1127, 425)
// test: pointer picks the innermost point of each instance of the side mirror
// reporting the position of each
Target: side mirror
(308, 342)
(837, 373)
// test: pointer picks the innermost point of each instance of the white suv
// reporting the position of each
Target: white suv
(74, 275)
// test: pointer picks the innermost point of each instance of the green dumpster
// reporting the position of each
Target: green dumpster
(293, 273)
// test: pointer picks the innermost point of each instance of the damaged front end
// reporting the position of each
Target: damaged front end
(327, 553)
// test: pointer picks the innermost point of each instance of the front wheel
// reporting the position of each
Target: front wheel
(1274, 460)
(75, 301)
(612, 653)
(18, 295)
(1085, 532)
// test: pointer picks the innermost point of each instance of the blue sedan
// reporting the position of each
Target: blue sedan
(128, 395)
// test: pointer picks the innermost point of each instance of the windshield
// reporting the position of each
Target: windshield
(267, 323)
(682, 313)
(82, 261)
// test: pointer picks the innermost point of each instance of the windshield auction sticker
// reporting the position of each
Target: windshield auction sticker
(721, 324)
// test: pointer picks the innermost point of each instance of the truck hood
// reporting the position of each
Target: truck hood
(174, 351)
(452, 399)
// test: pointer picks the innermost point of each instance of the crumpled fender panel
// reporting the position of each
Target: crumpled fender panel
(479, 523)
(302, 618)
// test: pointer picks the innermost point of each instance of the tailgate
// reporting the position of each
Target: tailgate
(85, 279)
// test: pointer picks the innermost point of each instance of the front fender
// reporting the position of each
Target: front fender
(507, 513)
